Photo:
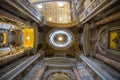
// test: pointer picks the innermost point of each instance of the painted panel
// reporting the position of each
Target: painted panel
(28, 37)
(114, 40)
(5, 38)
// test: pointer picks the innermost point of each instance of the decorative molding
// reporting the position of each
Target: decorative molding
(72, 24)
(29, 7)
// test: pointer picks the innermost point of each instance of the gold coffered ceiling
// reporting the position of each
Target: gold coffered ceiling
(55, 12)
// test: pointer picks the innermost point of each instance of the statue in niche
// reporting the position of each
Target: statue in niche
(1, 38)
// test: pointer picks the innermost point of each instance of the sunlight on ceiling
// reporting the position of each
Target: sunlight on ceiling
(55, 12)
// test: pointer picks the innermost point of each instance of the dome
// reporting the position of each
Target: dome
(60, 38)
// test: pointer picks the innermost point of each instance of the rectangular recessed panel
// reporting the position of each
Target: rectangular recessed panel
(28, 37)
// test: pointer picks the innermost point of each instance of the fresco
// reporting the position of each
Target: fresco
(114, 40)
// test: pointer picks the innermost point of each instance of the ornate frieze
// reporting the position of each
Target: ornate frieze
(92, 9)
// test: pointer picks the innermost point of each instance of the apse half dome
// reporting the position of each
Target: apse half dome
(60, 38)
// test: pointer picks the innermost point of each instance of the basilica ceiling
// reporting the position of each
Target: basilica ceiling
(57, 13)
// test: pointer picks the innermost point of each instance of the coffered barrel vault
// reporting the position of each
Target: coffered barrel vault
(55, 12)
